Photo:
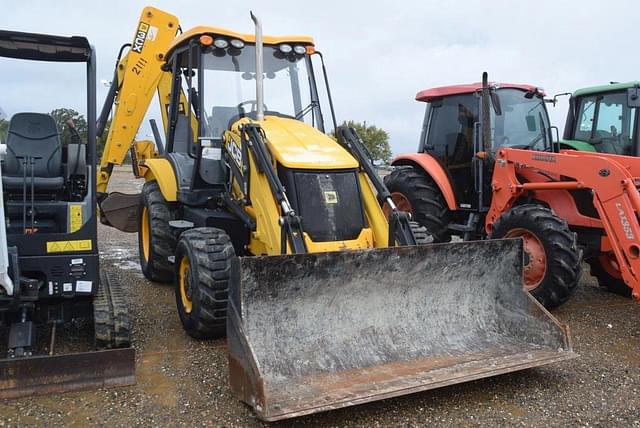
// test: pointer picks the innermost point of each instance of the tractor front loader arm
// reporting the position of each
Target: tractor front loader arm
(614, 189)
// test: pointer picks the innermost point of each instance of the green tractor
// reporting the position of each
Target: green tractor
(604, 119)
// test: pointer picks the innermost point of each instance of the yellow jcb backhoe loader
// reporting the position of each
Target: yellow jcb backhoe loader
(274, 235)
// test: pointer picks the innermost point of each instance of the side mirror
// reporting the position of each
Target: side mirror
(531, 122)
(633, 97)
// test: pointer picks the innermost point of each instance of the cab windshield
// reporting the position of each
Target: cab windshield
(230, 87)
(606, 122)
(523, 122)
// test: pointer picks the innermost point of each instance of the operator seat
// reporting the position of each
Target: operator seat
(33, 136)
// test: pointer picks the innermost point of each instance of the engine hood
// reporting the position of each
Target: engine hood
(295, 144)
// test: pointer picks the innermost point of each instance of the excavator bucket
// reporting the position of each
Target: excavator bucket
(120, 210)
(315, 332)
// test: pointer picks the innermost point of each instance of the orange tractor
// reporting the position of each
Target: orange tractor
(488, 167)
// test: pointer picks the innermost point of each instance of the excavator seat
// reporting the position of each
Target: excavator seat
(34, 153)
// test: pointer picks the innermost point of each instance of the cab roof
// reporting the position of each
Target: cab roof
(614, 86)
(431, 94)
(44, 47)
(247, 38)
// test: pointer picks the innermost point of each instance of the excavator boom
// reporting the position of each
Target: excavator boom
(139, 76)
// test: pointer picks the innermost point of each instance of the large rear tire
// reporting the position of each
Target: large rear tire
(552, 259)
(606, 272)
(202, 272)
(156, 240)
(413, 191)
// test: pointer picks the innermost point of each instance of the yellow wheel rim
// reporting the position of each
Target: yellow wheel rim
(185, 285)
(145, 235)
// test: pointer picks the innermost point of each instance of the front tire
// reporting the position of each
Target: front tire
(202, 272)
(606, 272)
(414, 192)
(552, 259)
(156, 240)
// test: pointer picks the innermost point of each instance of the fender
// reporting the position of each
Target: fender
(432, 168)
(161, 171)
(577, 145)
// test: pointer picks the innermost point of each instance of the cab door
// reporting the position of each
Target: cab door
(448, 136)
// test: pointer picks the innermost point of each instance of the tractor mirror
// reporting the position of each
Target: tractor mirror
(531, 122)
(633, 97)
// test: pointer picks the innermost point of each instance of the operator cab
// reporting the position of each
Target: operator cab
(604, 119)
(451, 125)
(214, 87)
(214, 71)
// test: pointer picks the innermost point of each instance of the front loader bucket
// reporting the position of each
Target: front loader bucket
(315, 332)
(120, 210)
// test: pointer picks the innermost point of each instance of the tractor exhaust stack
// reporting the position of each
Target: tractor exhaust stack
(259, 69)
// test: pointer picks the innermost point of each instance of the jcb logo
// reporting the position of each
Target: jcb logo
(236, 154)
(145, 32)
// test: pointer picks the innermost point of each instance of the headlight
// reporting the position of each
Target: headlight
(238, 44)
(220, 43)
(285, 49)
(299, 49)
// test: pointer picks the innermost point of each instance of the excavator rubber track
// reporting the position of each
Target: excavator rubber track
(315, 332)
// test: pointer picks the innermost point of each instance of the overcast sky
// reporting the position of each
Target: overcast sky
(380, 53)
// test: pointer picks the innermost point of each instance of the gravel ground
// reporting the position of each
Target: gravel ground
(182, 382)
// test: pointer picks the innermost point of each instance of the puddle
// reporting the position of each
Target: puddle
(121, 258)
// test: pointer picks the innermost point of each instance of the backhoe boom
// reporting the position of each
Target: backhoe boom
(139, 76)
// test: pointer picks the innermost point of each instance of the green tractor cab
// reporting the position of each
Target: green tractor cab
(604, 119)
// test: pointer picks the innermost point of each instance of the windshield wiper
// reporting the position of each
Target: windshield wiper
(307, 109)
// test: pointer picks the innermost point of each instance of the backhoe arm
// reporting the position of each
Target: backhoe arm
(139, 76)
(614, 188)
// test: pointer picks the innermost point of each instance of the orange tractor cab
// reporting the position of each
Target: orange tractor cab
(488, 167)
